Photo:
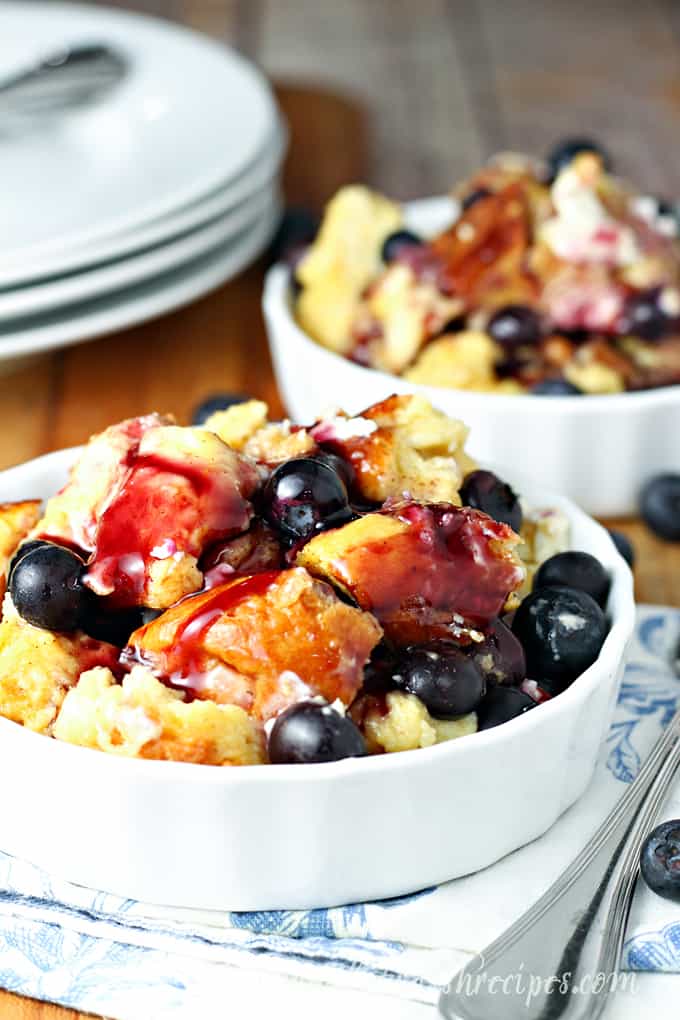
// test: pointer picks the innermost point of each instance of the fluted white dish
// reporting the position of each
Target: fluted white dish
(598, 450)
(292, 836)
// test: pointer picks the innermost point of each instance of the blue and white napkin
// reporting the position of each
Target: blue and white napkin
(131, 961)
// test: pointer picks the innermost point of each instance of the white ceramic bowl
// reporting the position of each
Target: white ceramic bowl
(301, 836)
(599, 451)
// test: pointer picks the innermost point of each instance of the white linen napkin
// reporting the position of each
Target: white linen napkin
(128, 960)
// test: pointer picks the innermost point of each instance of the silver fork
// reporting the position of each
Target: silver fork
(66, 78)
(562, 957)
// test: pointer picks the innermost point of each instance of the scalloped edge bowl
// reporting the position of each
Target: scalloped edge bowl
(599, 450)
(303, 836)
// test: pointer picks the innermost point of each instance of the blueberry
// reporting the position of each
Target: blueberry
(218, 402)
(502, 704)
(475, 196)
(643, 317)
(483, 490)
(515, 325)
(112, 626)
(660, 860)
(342, 467)
(575, 570)
(25, 547)
(47, 590)
(556, 388)
(379, 670)
(297, 229)
(396, 242)
(561, 155)
(624, 546)
(562, 631)
(310, 732)
(446, 680)
(660, 506)
(500, 656)
(303, 496)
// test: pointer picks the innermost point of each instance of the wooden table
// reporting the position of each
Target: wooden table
(439, 86)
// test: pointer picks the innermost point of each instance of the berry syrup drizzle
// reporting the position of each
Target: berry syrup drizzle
(446, 572)
(142, 523)
(184, 662)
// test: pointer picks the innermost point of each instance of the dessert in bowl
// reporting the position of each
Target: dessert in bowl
(316, 602)
(520, 289)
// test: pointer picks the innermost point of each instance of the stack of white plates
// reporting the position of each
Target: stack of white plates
(135, 205)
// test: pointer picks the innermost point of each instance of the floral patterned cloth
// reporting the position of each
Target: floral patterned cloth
(131, 961)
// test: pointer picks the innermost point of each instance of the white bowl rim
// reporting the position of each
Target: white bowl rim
(613, 649)
(276, 299)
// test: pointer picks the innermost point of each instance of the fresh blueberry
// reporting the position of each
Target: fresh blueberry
(515, 325)
(24, 548)
(218, 402)
(303, 496)
(561, 155)
(502, 704)
(310, 732)
(562, 631)
(342, 467)
(379, 670)
(643, 317)
(112, 626)
(624, 546)
(575, 570)
(297, 230)
(556, 388)
(485, 491)
(660, 506)
(660, 860)
(47, 589)
(475, 196)
(396, 242)
(446, 680)
(500, 656)
(670, 212)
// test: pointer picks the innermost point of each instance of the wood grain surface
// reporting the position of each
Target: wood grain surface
(409, 97)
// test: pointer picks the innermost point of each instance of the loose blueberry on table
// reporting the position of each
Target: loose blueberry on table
(217, 402)
(660, 860)
(660, 506)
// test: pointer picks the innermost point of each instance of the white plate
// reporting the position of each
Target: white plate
(158, 231)
(51, 296)
(190, 116)
(145, 301)
(301, 836)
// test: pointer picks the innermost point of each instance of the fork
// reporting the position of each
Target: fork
(561, 958)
